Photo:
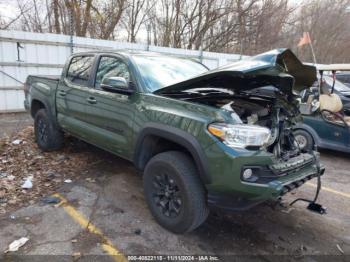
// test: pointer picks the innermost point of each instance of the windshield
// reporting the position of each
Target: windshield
(340, 87)
(161, 71)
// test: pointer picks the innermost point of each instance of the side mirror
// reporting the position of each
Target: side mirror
(116, 84)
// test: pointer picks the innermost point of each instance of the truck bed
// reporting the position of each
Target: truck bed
(48, 77)
(43, 88)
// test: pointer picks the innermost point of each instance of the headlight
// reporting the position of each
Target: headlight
(240, 135)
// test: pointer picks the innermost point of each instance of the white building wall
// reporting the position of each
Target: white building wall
(45, 54)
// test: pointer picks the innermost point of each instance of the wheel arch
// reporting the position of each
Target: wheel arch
(35, 106)
(155, 138)
(38, 103)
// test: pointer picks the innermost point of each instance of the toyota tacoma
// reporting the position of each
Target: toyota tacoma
(201, 138)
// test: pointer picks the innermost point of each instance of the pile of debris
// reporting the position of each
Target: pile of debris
(28, 174)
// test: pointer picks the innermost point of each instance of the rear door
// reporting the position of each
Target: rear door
(72, 94)
(112, 114)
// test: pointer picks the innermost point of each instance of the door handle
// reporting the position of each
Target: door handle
(62, 93)
(91, 100)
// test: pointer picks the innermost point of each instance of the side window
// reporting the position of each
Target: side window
(111, 66)
(79, 69)
(346, 78)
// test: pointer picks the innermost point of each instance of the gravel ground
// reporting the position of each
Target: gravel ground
(109, 194)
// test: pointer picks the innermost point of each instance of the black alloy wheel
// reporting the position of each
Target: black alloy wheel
(42, 131)
(47, 133)
(174, 192)
(167, 195)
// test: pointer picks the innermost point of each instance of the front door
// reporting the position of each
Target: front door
(111, 114)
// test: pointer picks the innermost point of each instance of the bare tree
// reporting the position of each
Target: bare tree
(31, 19)
(328, 23)
(55, 7)
(232, 26)
(80, 15)
(6, 24)
(106, 17)
(136, 15)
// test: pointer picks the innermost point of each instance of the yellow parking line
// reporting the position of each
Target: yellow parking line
(330, 190)
(84, 223)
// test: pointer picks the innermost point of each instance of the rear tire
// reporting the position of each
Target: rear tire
(174, 192)
(48, 136)
(304, 140)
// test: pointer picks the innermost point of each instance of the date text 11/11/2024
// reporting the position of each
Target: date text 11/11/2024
(146, 258)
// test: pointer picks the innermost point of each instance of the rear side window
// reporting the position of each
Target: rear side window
(79, 69)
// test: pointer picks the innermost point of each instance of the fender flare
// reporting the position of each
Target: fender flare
(51, 112)
(310, 130)
(46, 106)
(177, 136)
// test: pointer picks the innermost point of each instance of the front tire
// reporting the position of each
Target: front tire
(47, 135)
(304, 140)
(174, 192)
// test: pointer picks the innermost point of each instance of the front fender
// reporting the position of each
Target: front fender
(177, 136)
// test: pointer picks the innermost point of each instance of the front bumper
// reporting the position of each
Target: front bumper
(236, 202)
(231, 192)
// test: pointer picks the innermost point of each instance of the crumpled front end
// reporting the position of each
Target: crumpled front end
(255, 156)
(269, 178)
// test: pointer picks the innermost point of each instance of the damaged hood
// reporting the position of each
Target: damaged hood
(279, 67)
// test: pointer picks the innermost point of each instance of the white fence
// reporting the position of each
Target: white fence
(25, 53)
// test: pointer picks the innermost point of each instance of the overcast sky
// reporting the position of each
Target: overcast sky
(8, 9)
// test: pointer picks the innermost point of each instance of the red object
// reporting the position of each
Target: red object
(305, 39)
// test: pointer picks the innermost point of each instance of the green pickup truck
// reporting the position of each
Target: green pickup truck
(201, 138)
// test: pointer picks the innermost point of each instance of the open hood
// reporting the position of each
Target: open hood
(279, 67)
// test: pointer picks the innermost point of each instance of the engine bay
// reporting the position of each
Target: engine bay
(273, 111)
